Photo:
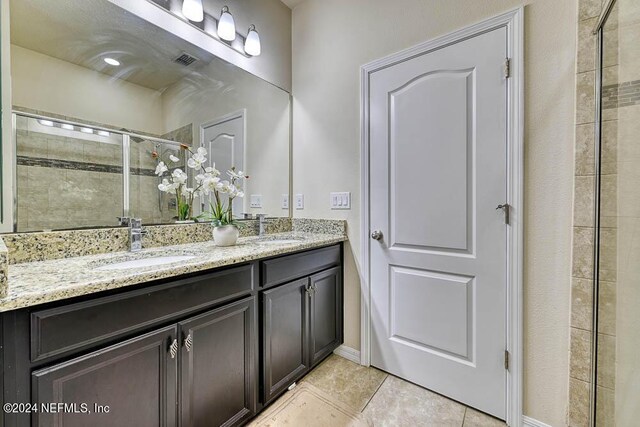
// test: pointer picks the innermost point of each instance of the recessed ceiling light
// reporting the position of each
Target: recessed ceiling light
(112, 61)
(67, 126)
(45, 122)
(86, 130)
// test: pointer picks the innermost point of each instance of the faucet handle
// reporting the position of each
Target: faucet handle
(135, 223)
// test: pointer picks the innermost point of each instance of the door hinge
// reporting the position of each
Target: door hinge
(506, 360)
(507, 68)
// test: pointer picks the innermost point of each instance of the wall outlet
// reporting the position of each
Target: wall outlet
(340, 200)
(255, 201)
(299, 201)
(284, 201)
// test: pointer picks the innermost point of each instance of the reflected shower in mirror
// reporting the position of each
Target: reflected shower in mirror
(87, 65)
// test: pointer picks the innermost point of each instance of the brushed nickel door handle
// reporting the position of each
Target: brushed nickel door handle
(376, 235)
(173, 348)
(188, 343)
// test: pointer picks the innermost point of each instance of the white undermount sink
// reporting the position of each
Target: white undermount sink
(280, 241)
(145, 262)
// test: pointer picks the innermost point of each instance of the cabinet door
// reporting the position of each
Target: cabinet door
(285, 336)
(219, 366)
(132, 383)
(326, 314)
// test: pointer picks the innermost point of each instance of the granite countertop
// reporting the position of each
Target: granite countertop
(46, 281)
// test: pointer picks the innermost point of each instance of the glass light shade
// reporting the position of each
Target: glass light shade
(45, 122)
(252, 43)
(193, 10)
(67, 126)
(112, 61)
(86, 130)
(226, 26)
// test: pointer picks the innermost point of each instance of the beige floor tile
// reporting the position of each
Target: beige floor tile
(346, 381)
(473, 418)
(399, 403)
(308, 406)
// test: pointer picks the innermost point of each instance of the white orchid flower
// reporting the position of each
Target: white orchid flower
(165, 186)
(174, 159)
(237, 175)
(161, 169)
(179, 176)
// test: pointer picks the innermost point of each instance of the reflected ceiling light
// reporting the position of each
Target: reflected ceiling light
(86, 130)
(252, 43)
(103, 133)
(226, 26)
(67, 126)
(193, 10)
(112, 61)
(45, 122)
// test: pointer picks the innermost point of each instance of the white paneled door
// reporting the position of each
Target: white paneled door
(224, 140)
(438, 248)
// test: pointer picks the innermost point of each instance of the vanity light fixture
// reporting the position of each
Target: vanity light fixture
(67, 126)
(193, 10)
(252, 42)
(45, 122)
(103, 133)
(226, 25)
(112, 61)
(86, 130)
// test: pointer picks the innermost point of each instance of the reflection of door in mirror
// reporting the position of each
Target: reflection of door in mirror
(224, 139)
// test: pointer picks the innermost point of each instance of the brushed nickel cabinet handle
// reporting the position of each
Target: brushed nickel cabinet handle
(173, 349)
(188, 343)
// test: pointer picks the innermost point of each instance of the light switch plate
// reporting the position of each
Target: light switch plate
(340, 200)
(284, 201)
(255, 201)
(299, 201)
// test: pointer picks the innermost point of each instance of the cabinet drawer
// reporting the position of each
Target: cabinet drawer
(284, 269)
(69, 328)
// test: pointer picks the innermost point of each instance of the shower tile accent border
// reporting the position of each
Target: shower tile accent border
(621, 95)
(50, 245)
(82, 166)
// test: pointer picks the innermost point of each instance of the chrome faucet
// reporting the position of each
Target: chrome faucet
(135, 234)
(262, 221)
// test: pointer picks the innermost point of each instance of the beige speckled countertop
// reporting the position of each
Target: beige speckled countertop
(45, 281)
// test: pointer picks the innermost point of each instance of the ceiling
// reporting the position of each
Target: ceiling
(292, 3)
(85, 32)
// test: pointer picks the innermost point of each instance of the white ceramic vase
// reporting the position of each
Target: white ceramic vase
(225, 235)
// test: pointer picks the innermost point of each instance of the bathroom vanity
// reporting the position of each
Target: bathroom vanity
(211, 347)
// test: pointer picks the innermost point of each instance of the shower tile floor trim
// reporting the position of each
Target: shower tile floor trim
(382, 399)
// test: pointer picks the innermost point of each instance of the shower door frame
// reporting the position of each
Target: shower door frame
(598, 33)
(126, 159)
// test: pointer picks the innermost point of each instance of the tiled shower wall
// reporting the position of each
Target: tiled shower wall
(66, 182)
(583, 220)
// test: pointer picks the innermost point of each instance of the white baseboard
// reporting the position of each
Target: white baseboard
(530, 422)
(348, 353)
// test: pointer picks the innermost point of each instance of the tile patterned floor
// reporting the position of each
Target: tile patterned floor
(388, 401)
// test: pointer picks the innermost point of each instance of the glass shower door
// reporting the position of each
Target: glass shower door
(617, 302)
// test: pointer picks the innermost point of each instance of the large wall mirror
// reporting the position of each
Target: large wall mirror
(99, 95)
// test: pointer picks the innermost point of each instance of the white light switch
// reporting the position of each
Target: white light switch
(256, 201)
(285, 201)
(340, 200)
(299, 201)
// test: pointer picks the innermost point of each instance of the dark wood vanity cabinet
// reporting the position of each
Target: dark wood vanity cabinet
(218, 374)
(131, 383)
(192, 351)
(302, 320)
(285, 311)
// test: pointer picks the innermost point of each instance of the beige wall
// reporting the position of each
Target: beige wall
(332, 39)
(44, 83)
